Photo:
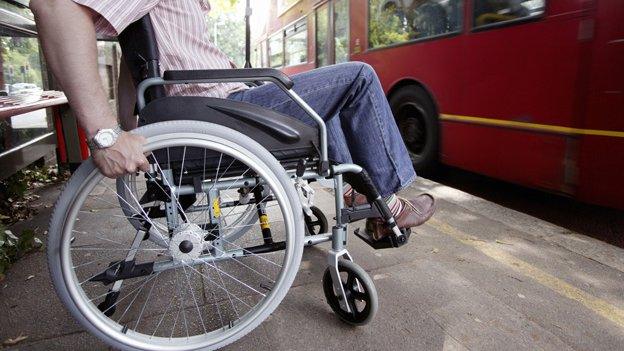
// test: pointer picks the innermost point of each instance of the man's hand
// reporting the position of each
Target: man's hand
(124, 157)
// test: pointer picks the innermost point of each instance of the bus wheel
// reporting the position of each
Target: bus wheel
(417, 119)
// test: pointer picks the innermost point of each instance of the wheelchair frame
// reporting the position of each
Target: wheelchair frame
(338, 234)
(147, 76)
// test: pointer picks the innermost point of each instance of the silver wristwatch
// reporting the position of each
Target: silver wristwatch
(104, 138)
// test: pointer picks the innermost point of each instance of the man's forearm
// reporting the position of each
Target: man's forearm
(69, 43)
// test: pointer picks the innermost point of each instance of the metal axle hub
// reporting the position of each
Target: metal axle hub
(187, 243)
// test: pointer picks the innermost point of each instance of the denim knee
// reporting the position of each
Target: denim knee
(367, 69)
(361, 68)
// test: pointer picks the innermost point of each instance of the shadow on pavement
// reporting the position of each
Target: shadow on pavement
(599, 222)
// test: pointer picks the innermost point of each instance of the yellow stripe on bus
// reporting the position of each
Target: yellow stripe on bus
(531, 126)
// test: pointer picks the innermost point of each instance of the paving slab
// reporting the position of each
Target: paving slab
(478, 276)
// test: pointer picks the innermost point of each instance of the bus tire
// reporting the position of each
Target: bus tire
(417, 119)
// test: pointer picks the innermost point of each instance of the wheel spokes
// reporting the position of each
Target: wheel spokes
(186, 298)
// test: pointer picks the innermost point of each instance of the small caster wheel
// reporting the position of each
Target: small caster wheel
(360, 292)
(317, 223)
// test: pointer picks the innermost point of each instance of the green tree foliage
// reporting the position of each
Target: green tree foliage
(22, 56)
(385, 27)
(226, 24)
(322, 34)
(341, 21)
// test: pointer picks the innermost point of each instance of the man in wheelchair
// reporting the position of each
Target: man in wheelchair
(198, 232)
(349, 97)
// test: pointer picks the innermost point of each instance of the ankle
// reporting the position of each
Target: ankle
(348, 190)
(394, 204)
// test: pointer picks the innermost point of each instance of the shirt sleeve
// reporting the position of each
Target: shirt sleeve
(116, 15)
(205, 4)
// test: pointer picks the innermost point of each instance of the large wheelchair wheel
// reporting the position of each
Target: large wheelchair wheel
(195, 287)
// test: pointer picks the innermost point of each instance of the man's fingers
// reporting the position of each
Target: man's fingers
(144, 165)
(111, 173)
(108, 174)
(135, 165)
(141, 141)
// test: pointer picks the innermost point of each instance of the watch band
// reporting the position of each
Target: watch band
(91, 144)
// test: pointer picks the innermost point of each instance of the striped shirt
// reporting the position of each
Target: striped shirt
(181, 35)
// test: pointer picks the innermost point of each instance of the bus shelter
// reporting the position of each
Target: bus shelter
(36, 124)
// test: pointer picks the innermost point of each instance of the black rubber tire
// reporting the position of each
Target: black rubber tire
(417, 118)
(319, 219)
(369, 295)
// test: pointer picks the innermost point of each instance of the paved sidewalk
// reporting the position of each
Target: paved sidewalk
(478, 276)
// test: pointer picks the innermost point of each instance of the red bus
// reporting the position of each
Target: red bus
(527, 91)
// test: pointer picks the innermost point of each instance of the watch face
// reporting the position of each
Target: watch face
(105, 138)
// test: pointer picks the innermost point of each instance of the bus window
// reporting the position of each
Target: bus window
(276, 50)
(297, 43)
(341, 31)
(497, 11)
(396, 21)
(322, 36)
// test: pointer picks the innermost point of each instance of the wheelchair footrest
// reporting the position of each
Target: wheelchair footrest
(391, 241)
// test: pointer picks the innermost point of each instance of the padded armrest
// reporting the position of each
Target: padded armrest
(241, 73)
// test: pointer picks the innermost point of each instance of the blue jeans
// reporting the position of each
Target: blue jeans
(360, 125)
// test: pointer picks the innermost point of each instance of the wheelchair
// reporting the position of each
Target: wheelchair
(199, 250)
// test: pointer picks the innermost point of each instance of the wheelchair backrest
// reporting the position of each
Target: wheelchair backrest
(140, 53)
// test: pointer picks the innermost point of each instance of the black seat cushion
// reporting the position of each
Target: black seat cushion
(287, 138)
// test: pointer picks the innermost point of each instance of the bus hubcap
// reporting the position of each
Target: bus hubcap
(412, 125)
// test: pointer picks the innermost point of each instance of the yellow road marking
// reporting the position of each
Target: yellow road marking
(597, 305)
(531, 126)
